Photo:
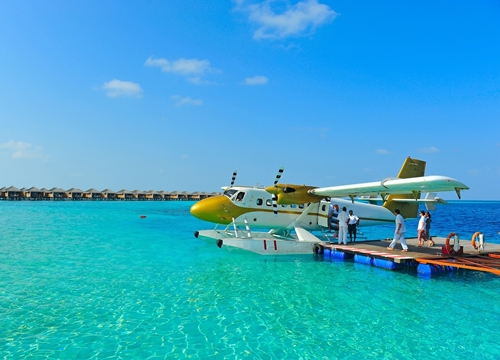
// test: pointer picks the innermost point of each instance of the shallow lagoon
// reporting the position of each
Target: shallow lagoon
(93, 280)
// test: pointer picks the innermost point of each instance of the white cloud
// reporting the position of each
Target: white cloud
(115, 88)
(295, 20)
(256, 80)
(429, 150)
(22, 150)
(181, 66)
(198, 81)
(186, 100)
(383, 152)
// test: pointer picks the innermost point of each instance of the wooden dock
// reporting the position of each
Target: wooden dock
(427, 260)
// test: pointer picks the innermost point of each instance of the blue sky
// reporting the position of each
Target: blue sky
(175, 95)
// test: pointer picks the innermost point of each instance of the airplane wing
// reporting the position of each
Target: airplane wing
(433, 183)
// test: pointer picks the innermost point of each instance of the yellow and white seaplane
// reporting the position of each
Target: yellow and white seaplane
(291, 213)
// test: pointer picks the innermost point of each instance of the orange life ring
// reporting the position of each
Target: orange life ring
(474, 244)
(448, 247)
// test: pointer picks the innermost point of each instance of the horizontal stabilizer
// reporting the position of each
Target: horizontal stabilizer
(436, 200)
(430, 204)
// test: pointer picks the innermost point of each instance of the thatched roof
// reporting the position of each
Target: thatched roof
(75, 190)
(56, 190)
(92, 191)
(34, 189)
(153, 192)
(124, 191)
(11, 189)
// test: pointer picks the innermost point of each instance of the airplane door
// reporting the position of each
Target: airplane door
(324, 208)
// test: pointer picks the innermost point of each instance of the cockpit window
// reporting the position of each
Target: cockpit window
(230, 192)
(240, 196)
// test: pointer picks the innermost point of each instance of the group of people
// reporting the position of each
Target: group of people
(343, 223)
(424, 225)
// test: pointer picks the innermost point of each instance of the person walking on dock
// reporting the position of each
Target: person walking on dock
(428, 228)
(352, 224)
(422, 224)
(399, 233)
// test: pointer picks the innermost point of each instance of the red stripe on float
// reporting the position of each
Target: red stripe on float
(265, 245)
(275, 245)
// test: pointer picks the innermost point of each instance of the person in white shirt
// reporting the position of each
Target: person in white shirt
(352, 224)
(343, 219)
(422, 224)
(399, 233)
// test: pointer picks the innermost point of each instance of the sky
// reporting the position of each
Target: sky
(176, 95)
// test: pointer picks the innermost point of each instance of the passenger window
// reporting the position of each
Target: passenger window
(293, 206)
(269, 202)
(323, 208)
(301, 206)
(283, 206)
(259, 202)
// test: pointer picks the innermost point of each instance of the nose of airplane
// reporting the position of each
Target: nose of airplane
(213, 209)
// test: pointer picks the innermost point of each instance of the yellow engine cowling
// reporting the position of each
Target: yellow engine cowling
(288, 194)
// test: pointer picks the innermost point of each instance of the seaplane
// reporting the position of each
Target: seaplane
(294, 219)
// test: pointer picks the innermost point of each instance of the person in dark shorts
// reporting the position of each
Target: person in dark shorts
(352, 225)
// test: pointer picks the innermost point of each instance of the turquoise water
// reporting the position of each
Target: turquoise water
(93, 280)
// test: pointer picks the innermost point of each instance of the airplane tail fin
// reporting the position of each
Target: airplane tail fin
(411, 168)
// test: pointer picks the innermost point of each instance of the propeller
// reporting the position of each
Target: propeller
(233, 178)
(273, 196)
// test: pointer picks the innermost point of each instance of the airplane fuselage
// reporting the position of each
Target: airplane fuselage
(253, 206)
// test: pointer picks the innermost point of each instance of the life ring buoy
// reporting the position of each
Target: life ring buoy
(455, 240)
(479, 244)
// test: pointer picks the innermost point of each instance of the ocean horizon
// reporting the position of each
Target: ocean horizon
(92, 279)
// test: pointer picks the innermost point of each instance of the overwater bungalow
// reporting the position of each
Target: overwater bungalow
(57, 194)
(174, 195)
(92, 194)
(204, 195)
(165, 194)
(109, 194)
(45, 193)
(153, 195)
(34, 193)
(74, 194)
(139, 194)
(124, 194)
(184, 196)
(194, 196)
(12, 193)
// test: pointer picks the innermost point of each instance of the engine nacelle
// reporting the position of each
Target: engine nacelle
(288, 194)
